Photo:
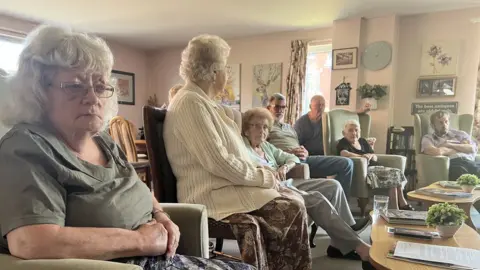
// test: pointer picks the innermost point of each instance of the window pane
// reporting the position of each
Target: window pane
(9, 52)
(317, 74)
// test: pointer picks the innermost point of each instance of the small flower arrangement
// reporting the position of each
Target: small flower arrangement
(376, 91)
(445, 214)
(468, 180)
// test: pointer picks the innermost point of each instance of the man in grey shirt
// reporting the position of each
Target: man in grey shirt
(457, 145)
(309, 127)
(285, 137)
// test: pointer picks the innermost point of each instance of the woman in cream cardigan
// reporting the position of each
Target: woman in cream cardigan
(213, 167)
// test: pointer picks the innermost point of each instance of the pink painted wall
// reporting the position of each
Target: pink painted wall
(414, 31)
(273, 48)
(126, 59)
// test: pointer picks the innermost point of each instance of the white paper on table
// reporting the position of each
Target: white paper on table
(433, 253)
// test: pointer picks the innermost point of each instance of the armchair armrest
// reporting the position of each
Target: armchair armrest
(359, 186)
(431, 169)
(393, 161)
(14, 263)
(193, 223)
(300, 171)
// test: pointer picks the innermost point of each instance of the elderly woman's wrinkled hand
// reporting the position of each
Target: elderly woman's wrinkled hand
(173, 233)
(154, 237)
(282, 173)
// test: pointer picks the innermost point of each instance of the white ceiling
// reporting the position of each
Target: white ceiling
(151, 24)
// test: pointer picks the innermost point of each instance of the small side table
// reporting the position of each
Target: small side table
(463, 203)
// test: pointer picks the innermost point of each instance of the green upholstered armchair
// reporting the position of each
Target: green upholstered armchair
(431, 169)
(333, 123)
(190, 218)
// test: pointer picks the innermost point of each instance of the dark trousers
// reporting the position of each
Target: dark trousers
(459, 166)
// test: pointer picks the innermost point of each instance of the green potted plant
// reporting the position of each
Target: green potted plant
(468, 182)
(446, 217)
(371, 93)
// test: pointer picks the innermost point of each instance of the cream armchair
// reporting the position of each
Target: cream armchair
(431, 169)
(190, 218)
(333, 124)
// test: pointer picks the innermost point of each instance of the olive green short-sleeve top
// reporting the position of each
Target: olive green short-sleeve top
(43, 182)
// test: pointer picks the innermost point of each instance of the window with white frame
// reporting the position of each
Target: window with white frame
(9, 51)
(318, 73)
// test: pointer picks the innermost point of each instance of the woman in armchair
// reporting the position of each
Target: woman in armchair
(378, 176)
(67, 190)
(213, 167)
(324, 198)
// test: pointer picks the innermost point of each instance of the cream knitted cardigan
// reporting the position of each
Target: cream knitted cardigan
(209, 158)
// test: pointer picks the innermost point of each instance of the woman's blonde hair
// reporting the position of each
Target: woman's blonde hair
(48, 49)
(261, 113)
(204, 55)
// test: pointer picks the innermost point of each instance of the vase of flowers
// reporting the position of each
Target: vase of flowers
(371, 93)
(446, 217)
(468, 182)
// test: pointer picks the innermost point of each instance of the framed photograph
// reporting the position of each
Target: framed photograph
(436, 86)
(345, 58)
(231, 94)
(125, 87)
(439, 58)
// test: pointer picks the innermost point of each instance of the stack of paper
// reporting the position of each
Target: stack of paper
(440, 256)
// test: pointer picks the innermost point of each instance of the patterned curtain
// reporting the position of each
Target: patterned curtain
(296, 80)
(476, 115)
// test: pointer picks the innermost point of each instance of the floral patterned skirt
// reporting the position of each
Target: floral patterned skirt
(385, 177)
(275, 236)
(180, 262)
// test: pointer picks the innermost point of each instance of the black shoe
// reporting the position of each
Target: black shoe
(335, 253)
(367, 266)
(361, 225)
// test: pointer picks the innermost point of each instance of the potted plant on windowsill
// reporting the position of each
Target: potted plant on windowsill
(468, 182)
(446, 217)
(371, 93)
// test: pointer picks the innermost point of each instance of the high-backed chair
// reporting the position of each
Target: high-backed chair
(431, 169)
(333, 124)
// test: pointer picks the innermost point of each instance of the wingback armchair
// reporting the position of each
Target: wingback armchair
(333, 124)
(431, 169)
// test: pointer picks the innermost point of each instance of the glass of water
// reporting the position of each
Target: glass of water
(380, 204)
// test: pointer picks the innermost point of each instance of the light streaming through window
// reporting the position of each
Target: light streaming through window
(9, 52)
(318, 74)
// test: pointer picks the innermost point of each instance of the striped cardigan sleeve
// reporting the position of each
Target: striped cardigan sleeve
(195, 128)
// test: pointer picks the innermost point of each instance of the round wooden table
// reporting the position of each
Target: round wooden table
(382, 243)
(463, 203)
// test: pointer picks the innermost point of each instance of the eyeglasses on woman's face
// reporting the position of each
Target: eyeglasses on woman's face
(77, 89)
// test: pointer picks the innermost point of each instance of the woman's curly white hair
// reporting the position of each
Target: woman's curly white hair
(48, 49)
(204, 55)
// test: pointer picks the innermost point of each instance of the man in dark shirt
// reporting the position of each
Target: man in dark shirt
(309, 127)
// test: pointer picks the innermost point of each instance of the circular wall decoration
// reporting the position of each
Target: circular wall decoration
(377, 55)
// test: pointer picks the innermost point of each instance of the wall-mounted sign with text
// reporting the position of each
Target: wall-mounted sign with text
(425, 107)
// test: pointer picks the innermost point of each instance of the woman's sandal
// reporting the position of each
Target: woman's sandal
(407, 207)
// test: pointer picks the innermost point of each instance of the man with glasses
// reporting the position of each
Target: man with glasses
(285, 137)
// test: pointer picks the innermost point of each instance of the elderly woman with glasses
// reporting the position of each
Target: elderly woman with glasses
(66, 189)
(324, 198)
(213, 167)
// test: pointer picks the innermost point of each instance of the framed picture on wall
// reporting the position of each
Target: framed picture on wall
(345, 58)
(436, 86)
(124, 86)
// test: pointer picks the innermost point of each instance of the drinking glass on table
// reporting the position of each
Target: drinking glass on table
(380, 204)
